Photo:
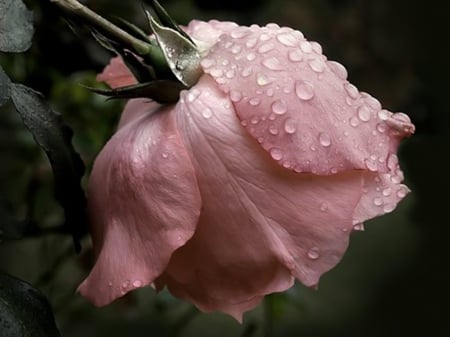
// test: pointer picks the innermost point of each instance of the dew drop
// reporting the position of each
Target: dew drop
(273, 130)
(287, 39)
(225, 62)
(272, 63)
(359, 227)
(235, 95)
(324, 139)
(279, 107)
(110, 284)
(381, 127)
(239, 33)
(165, 155)
(373, 102)
(265, 48)
(401, 193)
(254, 120)
(295, 55)
(323, 207)
(269, 92)
(216, 72)
(251, 43)
(230, 73)
(305, 46)
(392, 162)
(383, 114)
(264, 37)
(354, 121)
(254, 101)
(317, 65)
(338, 69)
(236, 49)
(246, 72)
(207, 113)
(263, 80)
(304, 90)
(371, 165)
(290, 126)
(126, 284)
(351, 90)
(314, 253)
(388, 208)
(364, 113)
(207, 63)
(387, 191)
(378, 201)
(137, 283)
(251, 56)
(276, 153)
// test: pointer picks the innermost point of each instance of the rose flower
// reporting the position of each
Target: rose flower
(255, 177)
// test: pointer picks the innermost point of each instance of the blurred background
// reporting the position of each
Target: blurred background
(395, 278)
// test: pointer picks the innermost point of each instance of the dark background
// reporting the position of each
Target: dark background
(394, 279)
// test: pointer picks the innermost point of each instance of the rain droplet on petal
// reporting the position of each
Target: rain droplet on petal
(378, 201)
(137, 283)
(323, 207)
(279, 107)
(384, 114)
(207, 113)
(236, 49)
(230, 73)
(239, 32)
(324, 139)
(272, 63)
(401, 193)
(371, 165)
(110, 284)
(316, 47)
(264, 37)
(265, 48)
(388, 208)
(276, 153)
(359, 227)
(317, 65)
(314, 253)
(193, 94)
(304, 90)
(387, 191)
(273, 130)
(295, 55)
(235, 95)
(263, 80)
(392, 162)
(351, 90)
(165, 155)
(364, 113)
(381, 127)
(287, 39)
(246, 72)
(251, 56)
(305, 46)
(290, 126)
(207, 63)
(354, 121)
(254, 101)
(251, 43)
(338, 69)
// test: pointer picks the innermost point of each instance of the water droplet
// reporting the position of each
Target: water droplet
(251, 43)
(304, 90)
(401, 193)
(371, 165)
(126, 284)
(263, 80)
(272, 63)
(207, 63)
(279, 107)
(165, 155)
(359, 227)
(276, 153)
(225, 62)
(295, 55)
(254, 120)
(269, 92)
(236, 49)
(110, 284)
(230, 73)
(246, 72)
(137, 283)
(313, 148)
(193, 94)
(364, 113)
(351, 90)
(373, 102)
(314, 253)
(251, 56)
(323, 207)
(239, 32)
(228, 44)
(216, 72)
(316, 47)
(254, 101)
(290, 126)
(273, 130)
(207, 113)
(338, 69)
(317, 65)
(384, 114)
(388, 208)
(381, 127)
(324, 139)
(265, 48)
(354, 121)
(287, 39)
(392, 162)
(387, 191)
(305, 46)
(235, 95)
(378, 201)
(264, 37)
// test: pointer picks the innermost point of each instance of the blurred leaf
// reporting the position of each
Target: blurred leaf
(55, 138)
(16, 26)
(24, 311)
(5, 83)
(9, 227)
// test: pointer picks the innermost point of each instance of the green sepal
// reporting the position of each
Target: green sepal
(160, 91)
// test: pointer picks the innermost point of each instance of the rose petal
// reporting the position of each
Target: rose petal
(260, 223)
(143, 203)
(116, 74)
(298, 104)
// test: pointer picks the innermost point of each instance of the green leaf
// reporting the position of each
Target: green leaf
(24, 311)
(16, 26)
(55, 138)
(5, 83)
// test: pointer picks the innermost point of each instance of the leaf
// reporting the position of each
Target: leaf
(54, 137)
(16, 26)
(9, 227)
(5, 83)
(24, 311)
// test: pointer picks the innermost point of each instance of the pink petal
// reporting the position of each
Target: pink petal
(299, 106)
(143, 204)
(260, 223)
(116, 74)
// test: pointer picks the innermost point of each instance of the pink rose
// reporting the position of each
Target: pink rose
(256, 177)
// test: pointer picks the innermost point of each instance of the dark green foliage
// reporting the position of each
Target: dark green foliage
(16, 26)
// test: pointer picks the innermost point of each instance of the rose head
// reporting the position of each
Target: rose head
(254, 178)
